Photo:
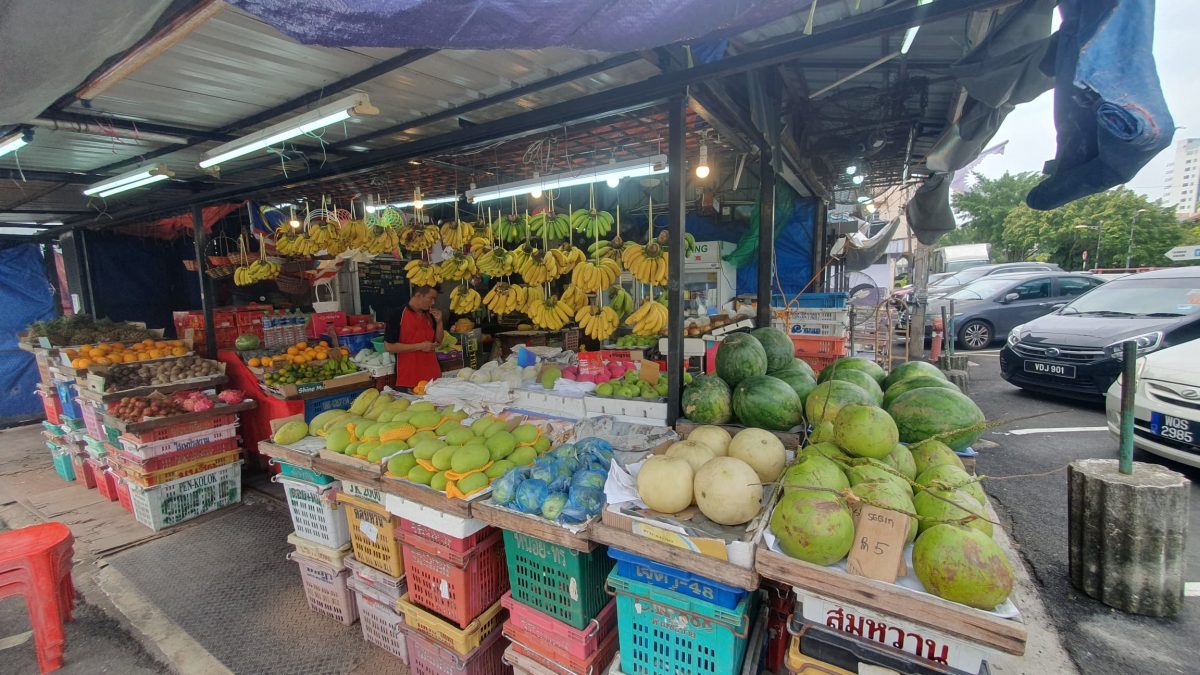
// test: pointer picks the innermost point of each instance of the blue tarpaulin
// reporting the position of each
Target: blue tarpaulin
(793, 246)
(25, 297)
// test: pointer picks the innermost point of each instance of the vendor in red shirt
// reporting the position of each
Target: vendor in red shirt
(415, 337)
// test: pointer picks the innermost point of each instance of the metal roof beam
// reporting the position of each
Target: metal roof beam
(613, 101)
(47, 212)
(21, 175)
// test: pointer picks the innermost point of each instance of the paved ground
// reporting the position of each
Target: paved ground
(1034, 511)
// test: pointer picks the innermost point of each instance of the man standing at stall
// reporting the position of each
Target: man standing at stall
(413, 337)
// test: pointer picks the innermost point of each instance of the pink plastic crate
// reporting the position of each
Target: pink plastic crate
(456, 586)
(84, 471)
(182, 429)
(579, 643)
(326, 589)
(380, 621)
(429, 658)
(106, 481)
(123, 496)
(91, 420)
(456, 544)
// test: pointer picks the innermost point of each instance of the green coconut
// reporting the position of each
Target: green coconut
(902, 459)
(930, 453)
(822, 432)
(865, 431)
(954, 477)
(815, 470)
(813, 526)
(950, 506)
(963, 565)
(826, 450)
(886, 495)
(873, 470)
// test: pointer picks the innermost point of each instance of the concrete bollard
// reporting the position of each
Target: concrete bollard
(952, 362)
(1127, 535)
(960, 378)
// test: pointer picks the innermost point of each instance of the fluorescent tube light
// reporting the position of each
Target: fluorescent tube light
(911, 34)
(340, 110)
(14, 142)
(634, 168)
(425, 201)
(130, 180)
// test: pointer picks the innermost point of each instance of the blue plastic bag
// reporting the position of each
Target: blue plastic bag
(531, 494)
(590, 478)
(504, 488)
(552, 507)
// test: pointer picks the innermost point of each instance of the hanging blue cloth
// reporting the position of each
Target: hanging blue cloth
(1108, 103)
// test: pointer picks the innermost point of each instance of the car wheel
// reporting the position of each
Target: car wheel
(975, 335)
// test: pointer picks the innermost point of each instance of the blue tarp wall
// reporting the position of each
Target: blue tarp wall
(793, 245)
(25, 297)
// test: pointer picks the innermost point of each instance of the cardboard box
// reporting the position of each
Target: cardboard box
(296, 390)
(645, 412)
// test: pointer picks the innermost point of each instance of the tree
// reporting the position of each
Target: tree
(1113, 217)
(987, 205)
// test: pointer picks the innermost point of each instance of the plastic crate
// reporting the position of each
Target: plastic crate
(53, 429)
(373, 535)
(123, 496)
(182, 429)
(633, 566)
(334, 557)
(67, 396)
(144, 451)
(71, 423)
(428, 658)
(293, 471)
(62, 463)
(555, 580)
(440, 538)
(814, 345)
(173, 459)
(462, 640)
(818, 363)
(96, 449)
(444, 529)
(380, 622)
(819, 300)
(326, 589)
(315, 512)
(579, 643)
(52, 406)
(457, 586)
(84, 472)
(91, 419)
(546, 655)
(665, 632)
(181, 470)
(181, 500)
(106, 481)
(355, 342)
(384, 586)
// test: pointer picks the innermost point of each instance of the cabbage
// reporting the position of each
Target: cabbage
(544, 472)
(589, 478)
(552, 507)
(565, 450)
(504, 488)
(597, 446)
(567, 467)
(531, 493)
(582, 503)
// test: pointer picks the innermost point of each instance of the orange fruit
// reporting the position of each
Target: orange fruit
(265, 362)
(176, 343)
(155, 354)
(85, 348)
(254, 363)
(178, 351)
(292, 351)
(103, 361)
(160, 344)
(71, 354)
(323, 343)
(128, 357)
(148, 342)
(344, 351)
(321, 356)
(302, 345)
(144, 356)
(80, 363)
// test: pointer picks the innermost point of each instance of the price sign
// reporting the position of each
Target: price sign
(590, 363)
(878, 550)
(649, 372)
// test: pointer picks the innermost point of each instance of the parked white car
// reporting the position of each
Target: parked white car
(1166, 404)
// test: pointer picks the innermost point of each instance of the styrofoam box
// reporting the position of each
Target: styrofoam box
(177, 443)
(691, 346)
(446, 523)
(181, 500)
(638, 411)
(549, 402)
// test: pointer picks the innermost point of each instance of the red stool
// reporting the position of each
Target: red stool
(36, 562)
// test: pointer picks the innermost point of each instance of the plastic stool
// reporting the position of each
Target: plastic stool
(36, 562)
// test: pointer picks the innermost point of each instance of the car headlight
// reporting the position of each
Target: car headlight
(1139, 367)
(1146, 343)
(1014, 335)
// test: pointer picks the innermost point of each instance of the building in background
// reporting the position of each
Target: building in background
(1180, 185)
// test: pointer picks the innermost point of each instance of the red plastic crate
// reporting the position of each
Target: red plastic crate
(818, 363)
(127, 459)
(437, 538)
(528, 645)
(106, 481)
(123, 496)
(52, 406)
(545, 630)
(819, 345)
(182, 429)
(84, 472)
(425, 657)
(456, 586)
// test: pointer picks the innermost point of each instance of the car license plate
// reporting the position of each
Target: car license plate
(1054, 369)
(1174, 428)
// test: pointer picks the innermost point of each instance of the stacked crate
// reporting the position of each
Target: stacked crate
(321, 541)
(560, 615)
(455, 572)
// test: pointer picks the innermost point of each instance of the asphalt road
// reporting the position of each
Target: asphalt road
(1034, 511)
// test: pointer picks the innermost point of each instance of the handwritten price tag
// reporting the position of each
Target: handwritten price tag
(878, 551)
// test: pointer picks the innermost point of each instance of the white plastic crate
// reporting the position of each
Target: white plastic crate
(315, 514)
(548, 402)
(380, 622)
(180, 500)
(431, 518)
(177, 443)
(381, 585)
(327, 590)
(334, 557)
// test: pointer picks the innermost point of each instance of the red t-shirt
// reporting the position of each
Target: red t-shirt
(412, 367)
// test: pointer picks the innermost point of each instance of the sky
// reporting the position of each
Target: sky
(1030, 128)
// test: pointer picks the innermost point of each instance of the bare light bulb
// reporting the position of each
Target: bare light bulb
(613, 182)
(536, 193)
(418, 203)
(702, 163)
(851, 170)
(857, 180)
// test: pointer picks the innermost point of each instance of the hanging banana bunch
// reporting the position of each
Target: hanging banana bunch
(293, 243)
(574, 297)
(539, 268)
(458, 267)
(417, 237)
(505, 298)
(549, 313)
(597, 322)
(464, 299)
(593, 276)
(510, 228)
(620, 300)
(647, 262)
(456, 234)
(383, 240)
(649, 319)
(259, 270)
(422, 273)
(496, 262)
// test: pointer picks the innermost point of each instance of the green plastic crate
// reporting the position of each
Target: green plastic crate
(293, 471)
(555, 580)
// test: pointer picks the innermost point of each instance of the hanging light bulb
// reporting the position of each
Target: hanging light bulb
(871, 208)
(852, 169)
(857, 180)
(418, 203)
(536, 192)
(702, 164)
(295, 224)
(863, 199)
(613, 181)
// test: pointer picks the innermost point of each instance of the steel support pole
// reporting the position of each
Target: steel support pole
(1128, 387)
(676, 178)
(766, 235)
(206, 290)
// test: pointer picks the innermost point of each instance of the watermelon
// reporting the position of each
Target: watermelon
(246, 343)
(778, 346)
(861, 379)
(801, 383)
(797, 365)
(707, 400)
(933, 411)
(910, 369)
(915, 382)
(740, 356)
(828, 399)
(767, 402)
(853, 363)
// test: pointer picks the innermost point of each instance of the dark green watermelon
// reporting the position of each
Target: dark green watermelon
(708, 400)
(911, 369)
(828, 398)
(915, 382)
(931, 412)
(767, 402)
(863, 380)
(797, 365)
(740, 355)
(853, 363)
(801, 383)
(778, 346)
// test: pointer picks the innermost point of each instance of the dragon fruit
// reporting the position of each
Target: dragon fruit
(231, 396)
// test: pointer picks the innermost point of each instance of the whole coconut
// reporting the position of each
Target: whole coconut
(886, 495)
(954, 477)
(950, 506)
(826, 450)
(931, 453)
(876, 471)
(962, 565)
(813, 526)
(814, 470)
(902, 458)
(822, 432)
(865, 431)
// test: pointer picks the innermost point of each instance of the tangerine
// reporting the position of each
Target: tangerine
(254, 363)
(80, 363)
(178, 351)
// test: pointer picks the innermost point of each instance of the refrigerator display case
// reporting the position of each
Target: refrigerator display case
(708, 281)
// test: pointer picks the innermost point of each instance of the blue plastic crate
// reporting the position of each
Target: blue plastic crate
(66, 394)
(661, 631)
(62, 462)
(356, 342)
(633, 566)
(293, 471)
(821, 300)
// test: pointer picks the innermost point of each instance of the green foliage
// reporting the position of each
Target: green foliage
(987, 205)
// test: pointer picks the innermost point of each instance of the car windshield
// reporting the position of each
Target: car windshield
(935, 279)
(962, 278)
(984, 288)
(1134, 296)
